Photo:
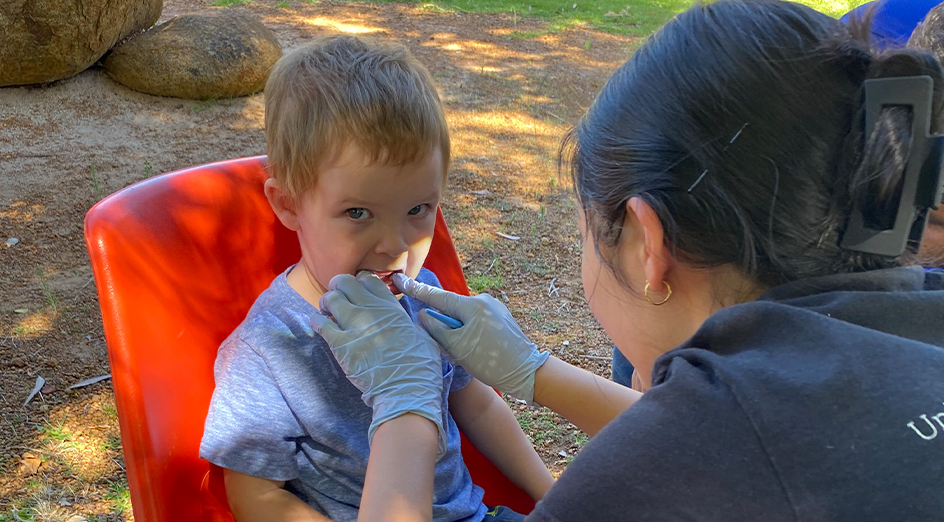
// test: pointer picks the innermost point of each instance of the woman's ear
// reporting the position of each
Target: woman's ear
(654, 255)
(282, 204)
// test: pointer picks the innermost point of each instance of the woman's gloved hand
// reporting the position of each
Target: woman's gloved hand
(396, 364)
(490, 345)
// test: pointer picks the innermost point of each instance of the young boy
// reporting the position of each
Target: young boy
(358, 151)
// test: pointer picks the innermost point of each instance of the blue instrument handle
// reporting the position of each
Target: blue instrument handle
(445, 319)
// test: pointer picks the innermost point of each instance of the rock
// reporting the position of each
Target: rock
(218, 55)
(44, 41)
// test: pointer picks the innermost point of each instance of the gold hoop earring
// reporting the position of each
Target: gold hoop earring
(645, 292)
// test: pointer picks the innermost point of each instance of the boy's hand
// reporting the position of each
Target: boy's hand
(490, 345)
(392, 361)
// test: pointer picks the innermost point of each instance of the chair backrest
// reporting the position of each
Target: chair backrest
(178, 260)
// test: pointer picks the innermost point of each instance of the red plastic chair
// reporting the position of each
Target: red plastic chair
(178, 260)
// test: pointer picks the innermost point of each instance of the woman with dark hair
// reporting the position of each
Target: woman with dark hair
(751, 184)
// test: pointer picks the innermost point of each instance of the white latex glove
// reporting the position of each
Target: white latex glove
(490, 345)
(396, 364)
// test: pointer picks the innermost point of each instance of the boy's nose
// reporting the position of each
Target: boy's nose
(392, 243)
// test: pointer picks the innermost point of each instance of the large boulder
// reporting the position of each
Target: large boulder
(46, 40)
(216, 55)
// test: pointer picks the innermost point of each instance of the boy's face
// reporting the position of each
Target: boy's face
(365, 217)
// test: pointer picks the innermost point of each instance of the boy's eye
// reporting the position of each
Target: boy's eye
(419, 210)
(358, 214)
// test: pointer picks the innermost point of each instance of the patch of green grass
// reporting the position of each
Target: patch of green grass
(540, 427)
(33, 483)
(227, 3)
(551, 327)
(206, 104)
(57, 432)
(581, 438)
(119, 496)
(631, 17)
(109, 409)
(21, 330)
(24, 514)
(148, 169)
(96, 183)
(112, 443)
(641, 17)
(485, 282)
(834, 8)
(538, 268)
(52, 301)
(525, 421)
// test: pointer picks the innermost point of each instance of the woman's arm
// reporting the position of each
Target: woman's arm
(587, 400)
(253, 499)
(491, 427)
(399, 483)
(491, 346)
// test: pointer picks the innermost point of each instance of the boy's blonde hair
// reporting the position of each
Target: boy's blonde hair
(342, 90)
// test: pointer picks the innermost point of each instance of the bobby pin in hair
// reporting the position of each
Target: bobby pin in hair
(703, 174)
(697, 181)
(736, 136)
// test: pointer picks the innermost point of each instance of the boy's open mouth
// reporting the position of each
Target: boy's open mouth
(387, 277)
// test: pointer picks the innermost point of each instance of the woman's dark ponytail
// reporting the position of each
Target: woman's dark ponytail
(876, 184)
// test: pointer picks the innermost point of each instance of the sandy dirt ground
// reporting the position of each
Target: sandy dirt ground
(511, 89)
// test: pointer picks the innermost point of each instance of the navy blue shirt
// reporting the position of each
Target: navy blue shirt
(823, 400)
(894, 20)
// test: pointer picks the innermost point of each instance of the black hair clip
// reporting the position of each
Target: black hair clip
(923, 184)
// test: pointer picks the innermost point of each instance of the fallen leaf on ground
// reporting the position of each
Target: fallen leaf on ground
(47, 389)
(31, 463)
(39, 386)
(88, 382)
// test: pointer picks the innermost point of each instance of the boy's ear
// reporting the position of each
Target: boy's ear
(282, 204)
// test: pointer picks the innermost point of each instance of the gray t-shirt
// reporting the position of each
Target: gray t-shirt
(283, 410)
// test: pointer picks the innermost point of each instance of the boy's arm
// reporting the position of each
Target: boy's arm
(253, 499)
(490, 425)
